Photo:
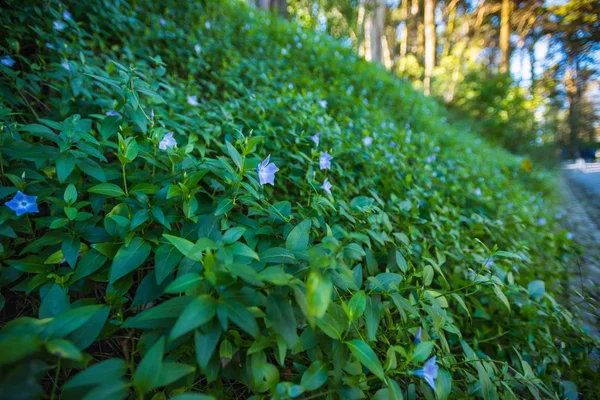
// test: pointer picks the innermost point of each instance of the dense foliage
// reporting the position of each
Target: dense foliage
(153, 261)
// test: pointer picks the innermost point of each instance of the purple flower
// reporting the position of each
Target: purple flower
(284, 51)
(22, 204)
(392, 143)
(163, 22)
(431, 159)
(429, 372)
(7, 61)
(367, 141)
(113, 113)
(326, 186)
(418, 335)
(167, 141)
(58, 25)
(66, 15)
(315, 138)
(266, 171)
(325, 161)
(489, 262)
(407, 138)
(193, 101)
(323, 103)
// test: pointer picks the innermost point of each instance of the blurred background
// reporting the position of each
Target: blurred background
(526, 70)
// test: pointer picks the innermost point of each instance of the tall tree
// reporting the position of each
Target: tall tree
(505, 35)
(429, 22)
(374, 17)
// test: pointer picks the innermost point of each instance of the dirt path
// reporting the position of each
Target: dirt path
(581, 194)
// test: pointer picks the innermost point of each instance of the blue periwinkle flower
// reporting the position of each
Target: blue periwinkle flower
(429, 372)
(266, 171)
(541, 221)
(478, 192)
(113, 113)
(167, 141)
(163, 22)
(323, 103)
(315, 138)
(193, 101)
(367, 141)
(58, 25)
(22, 204)
(325, 161)
(418, 335)
(66, 15)
(7, 61)
(569, 236)
(326, 186)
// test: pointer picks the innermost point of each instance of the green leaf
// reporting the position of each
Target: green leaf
(86, 334)
(200, 310)
(372, 317)
(105, 371)
(107, 189)
(65, 163)
(70, 195)
(422, 352)
(63, 349)
(232, 235)
(224, 206)
(185, 247)
(235, 156)
(366, 356)
(283, 321)
(357, 305)
(54, 302)
(16, 348)
(92, 261)
(128, 258)
(171, 372)
(277, 255)
(166, 258)
(242, 318)
(206, 345)
(318, 293)
(315, 376)
(70, 320)
(91, 168)
(536, 289)
(148, 370)
(298, 237)
(70, 249)
(184, 283)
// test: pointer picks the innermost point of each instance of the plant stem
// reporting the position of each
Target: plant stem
(124, 180)
(56, 376)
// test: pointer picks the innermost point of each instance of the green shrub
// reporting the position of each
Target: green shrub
(158, 268)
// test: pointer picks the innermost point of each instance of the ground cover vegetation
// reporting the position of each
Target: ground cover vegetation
(203, 200)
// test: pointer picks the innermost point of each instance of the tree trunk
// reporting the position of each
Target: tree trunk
(374, 21)
(403, 34)
(531, 50)
(573, 97)
(280, 6)
(505, 35)
(449, 30)
(429, 20)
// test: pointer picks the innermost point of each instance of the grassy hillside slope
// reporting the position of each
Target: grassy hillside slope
(160, 266)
